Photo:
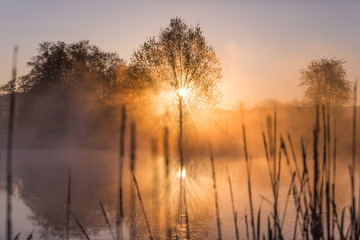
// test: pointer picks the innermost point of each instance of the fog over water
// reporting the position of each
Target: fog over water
(179, 120)
(88, 145)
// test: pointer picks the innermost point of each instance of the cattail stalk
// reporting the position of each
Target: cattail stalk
(333, 184)
(215, 193)
(9, 189)
(247, 227)
(249, 183)
(155, 181)
(283, 148)
(120, 210)
(268, 163)
(233, 208)
(294, 158)
(132, 190)
(353, 169)
(167, 184)
(274, 145)
(297, 200)
(292, 184)
(68, 206)
(328, 167)
(329, 172)
(305, 228)
(276, 214)
(316, 225)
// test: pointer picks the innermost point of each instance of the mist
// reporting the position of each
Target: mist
(179, 142)
(56, 131)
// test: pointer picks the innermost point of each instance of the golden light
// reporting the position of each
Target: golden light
(183, 174)
(183, 92)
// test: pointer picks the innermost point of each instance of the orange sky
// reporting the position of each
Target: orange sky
(261, 46)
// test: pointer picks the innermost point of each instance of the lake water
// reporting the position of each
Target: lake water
(40, 193)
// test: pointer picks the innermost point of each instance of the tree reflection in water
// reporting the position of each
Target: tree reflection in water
(41, 177)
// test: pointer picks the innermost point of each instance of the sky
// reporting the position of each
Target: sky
(262, 45)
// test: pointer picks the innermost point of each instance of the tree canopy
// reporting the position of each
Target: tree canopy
(66, 93)
(180, 58)
(325, 82)
(71, 65)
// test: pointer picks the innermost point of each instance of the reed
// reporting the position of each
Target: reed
(142, 207)
(294, 158)
(268, 162)
(68, 206)
(9, 180)
(186, 218)
(269, 229)
(106, 220)
(354, 220)
(327, 175)
(283, 149)
(291, 188)
(258, 225)
(120, 210)
(306, 216)
(132, 190)
(324, 177)
(333, 186)
(155, 183)
(80, 226)
(215, 194)
(233, 208)
(247, 227)
(297, 200)
(275, 171)
(167, 183)
(278, 231)
(316, 222)
(248, 171)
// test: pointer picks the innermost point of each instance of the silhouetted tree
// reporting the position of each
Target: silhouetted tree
(63, 94)
(325, 82)
(6, 88)
(180, 58)
(70, 66)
